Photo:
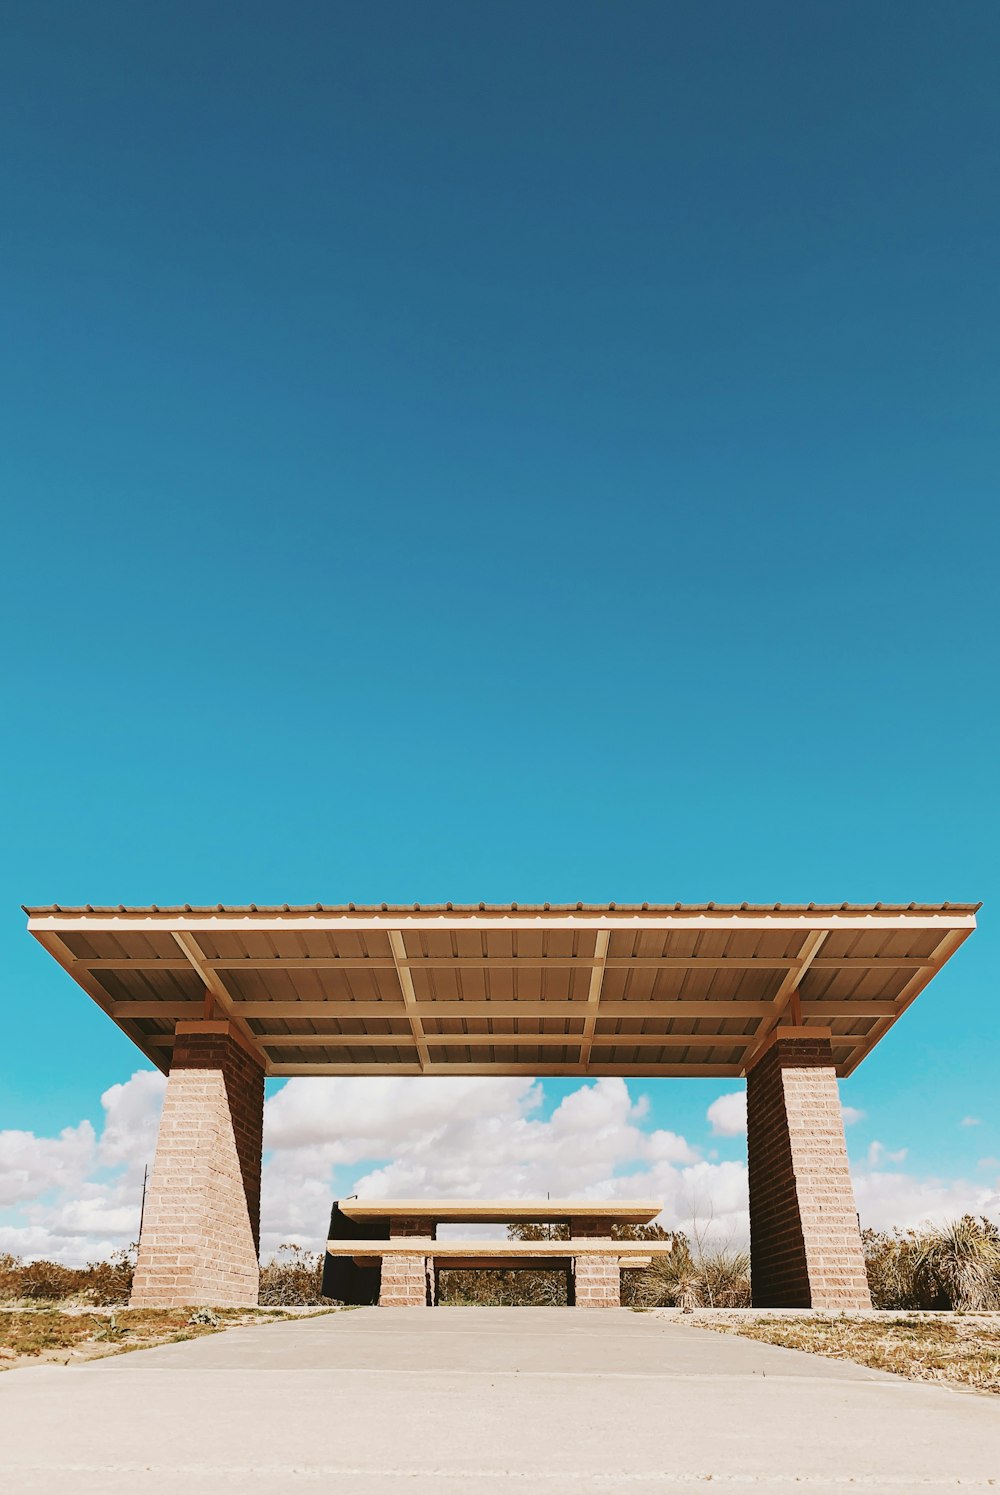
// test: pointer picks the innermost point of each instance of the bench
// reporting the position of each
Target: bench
(393, 1244)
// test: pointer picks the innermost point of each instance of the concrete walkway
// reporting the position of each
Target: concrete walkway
(441, 1401)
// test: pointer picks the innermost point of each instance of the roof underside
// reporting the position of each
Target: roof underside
(507, 989)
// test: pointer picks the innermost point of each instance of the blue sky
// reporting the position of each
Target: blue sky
(490, 452)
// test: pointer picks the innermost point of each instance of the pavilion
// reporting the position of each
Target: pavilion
(790, 996)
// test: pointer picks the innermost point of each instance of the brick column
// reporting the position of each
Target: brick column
(201, 1226)
(406, 1279)
(596, 1279)
(805, 1244)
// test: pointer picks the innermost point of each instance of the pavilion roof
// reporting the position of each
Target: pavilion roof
(541, 989)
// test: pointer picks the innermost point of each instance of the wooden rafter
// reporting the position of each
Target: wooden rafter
(594, 993)
(787, 995)
(215, 986)
(398, 947)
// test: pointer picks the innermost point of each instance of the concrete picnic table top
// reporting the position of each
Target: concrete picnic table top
(503, 1211)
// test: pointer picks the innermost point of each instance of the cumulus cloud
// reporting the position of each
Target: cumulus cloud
(887, 1200)
(970, 1121)
(30, 1165)
(728, 1115)
(79, 1195)
(76, 1196)
(454, 1136)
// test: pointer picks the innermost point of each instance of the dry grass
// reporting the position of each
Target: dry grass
(58, 1334)
(960, 1349)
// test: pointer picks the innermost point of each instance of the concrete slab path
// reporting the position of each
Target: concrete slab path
(528, 1400)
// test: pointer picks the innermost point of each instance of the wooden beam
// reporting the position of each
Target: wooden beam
(601, 943)
(431, 1011)
(213, 983)
(787, 993)
(461, 1009)
(167, 1011)
(500, 962)
(649, 1070)
(505, 1040)
(398, 947)
(489, 1040)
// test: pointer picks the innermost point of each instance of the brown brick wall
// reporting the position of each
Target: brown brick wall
(201, 1225)
(405, 1225)
(804, 1238)
(590, 1225)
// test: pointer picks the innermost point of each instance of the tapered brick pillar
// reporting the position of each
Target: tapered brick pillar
(201, 1225)
(805, 1244)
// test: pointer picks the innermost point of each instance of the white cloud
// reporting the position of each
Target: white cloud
(887, 1200)
(75, 1197)
(80, 1196)
(131, 1119)
(878, 1154)
(471, 1136)
(31, 1166)
(728, 1114)
(970, 1121)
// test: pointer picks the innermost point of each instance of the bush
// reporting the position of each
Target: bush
(951, 1266)
(685, 1279)
(293, 1279)
(102, 1282)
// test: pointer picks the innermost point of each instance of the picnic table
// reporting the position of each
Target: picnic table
(388, 1250)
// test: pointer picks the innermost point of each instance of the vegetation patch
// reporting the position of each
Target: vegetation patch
(63, 1335)
(957, 1348)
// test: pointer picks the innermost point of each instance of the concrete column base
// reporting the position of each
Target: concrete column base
(201, 1224)
(805, 1243)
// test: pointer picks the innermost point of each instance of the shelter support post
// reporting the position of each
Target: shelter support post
(805, 1242)
(407, 1281)
(201, 1226)
(596, 1279)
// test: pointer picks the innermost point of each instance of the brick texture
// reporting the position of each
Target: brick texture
(405, 1282)
(597, 1282)
(804, 1238)
(596, 1279)
(201, 1226)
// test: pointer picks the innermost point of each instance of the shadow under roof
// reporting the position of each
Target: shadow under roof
(539, 989)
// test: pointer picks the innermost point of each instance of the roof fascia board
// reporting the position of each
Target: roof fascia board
(229, 924)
